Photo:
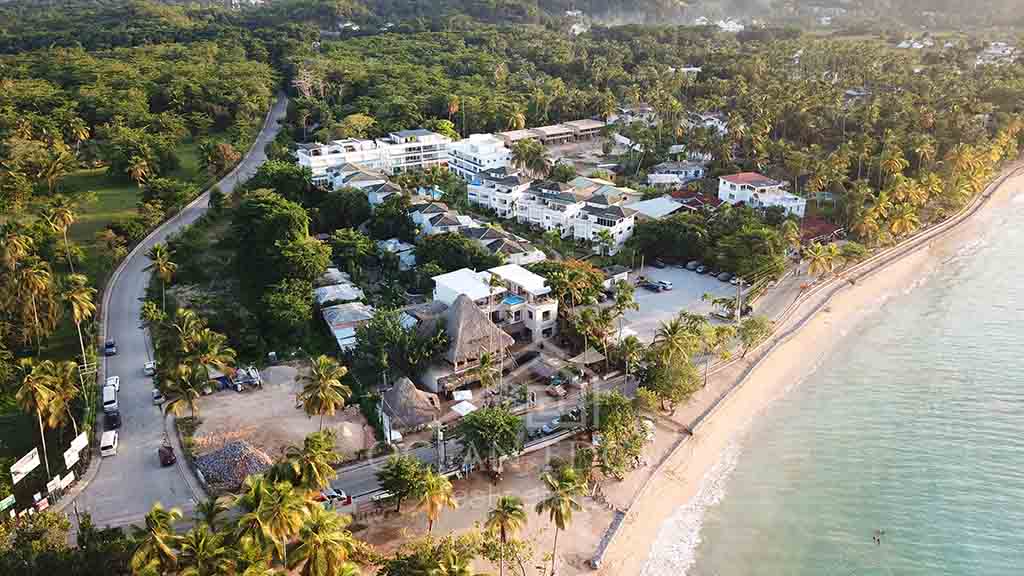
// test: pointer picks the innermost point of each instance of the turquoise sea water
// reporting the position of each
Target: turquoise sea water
(914, 425)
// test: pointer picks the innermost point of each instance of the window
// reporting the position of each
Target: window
(546, 316)
(732, 186)
(732, 196)
(529, 314)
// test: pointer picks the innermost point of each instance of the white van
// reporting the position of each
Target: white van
(108, 444)
(109, 399)
(114, 381)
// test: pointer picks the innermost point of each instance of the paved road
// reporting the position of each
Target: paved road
(128, 484)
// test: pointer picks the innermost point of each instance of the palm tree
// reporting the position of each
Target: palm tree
(631, 350)
(183, 388)
(560, 503)
(156, 541)
(208, 348)
(282, 513)
(715, 341)
(79, 296)
(60, 216)
(452, 565)
(35, 279)
(208, 511)
(325, 544)
(15, 247)
(36, 395)
(791, 235)
(605, 241)
(204, 553)
(675, 338)
(904, 221)
(249, 529)
(322, 391)
(435, 493)
(818, 259)
(494, 286)
(160, 263)
(62, 379)
(138, 169)
(486, 370)
(506, 518)
(313, 465)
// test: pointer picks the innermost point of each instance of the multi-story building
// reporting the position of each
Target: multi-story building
(511, 248)
(436, 218)
(759, 191)
(498, 190)
(580, 209)
(476, 154)
(399, 152)
(521, 305)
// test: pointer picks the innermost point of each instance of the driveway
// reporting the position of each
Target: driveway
(658, 307)
(128, 484)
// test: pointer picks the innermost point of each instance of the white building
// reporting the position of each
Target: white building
(498, 190)
(399, 152)
(759, 191)
(657, 208)
(436, 218)
(672, 174)
(521, 304)
(579, 210)
(476, 154)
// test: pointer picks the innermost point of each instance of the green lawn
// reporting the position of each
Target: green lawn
(115, 199)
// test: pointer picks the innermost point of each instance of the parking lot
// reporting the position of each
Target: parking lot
(658, 307)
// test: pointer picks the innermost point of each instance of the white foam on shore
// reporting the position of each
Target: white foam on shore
(675, 550)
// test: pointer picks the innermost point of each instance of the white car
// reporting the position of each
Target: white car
(114, 382)
(158, 397)
(149, 368)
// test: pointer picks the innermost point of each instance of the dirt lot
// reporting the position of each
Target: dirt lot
(269, 420)
(584, 155)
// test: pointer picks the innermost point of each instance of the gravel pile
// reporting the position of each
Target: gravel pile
(227, 468)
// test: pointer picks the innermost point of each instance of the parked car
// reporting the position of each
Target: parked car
(573, 415)
(111, 420)
(110, 348)
(552, 427)
(658, 263)
(692, 265)
(158, 397)
(149, 368)
(108, 443)
(701, 269)
(556, 391)
(166, 454)
(665, 284)
(331, 498)
(114, 382)
(652, 286)
(724, 277)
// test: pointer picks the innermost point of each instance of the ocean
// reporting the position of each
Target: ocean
(902, 452)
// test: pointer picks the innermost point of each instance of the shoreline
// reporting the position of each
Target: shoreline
(690, 476)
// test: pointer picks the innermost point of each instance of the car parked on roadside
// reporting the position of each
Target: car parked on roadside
(692, 265)
(701, 269)
(552, 426)
(664, 284)
(652, 286)
(114, 382)
(724, 277)
(111, 420)
(149, 368)
(158, 397)
(110, 348)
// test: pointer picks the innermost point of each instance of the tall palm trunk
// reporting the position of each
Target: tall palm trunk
(81, 341)
(42, 436)
(501, 557)
(554, 550)
(67, 249)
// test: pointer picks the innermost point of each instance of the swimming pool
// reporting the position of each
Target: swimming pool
(513, 300)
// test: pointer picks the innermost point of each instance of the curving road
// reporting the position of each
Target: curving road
(127, 485)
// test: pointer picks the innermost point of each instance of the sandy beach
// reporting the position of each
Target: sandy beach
(689, 477)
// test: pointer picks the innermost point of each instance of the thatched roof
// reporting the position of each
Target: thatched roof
(410, 407)
(471, 332)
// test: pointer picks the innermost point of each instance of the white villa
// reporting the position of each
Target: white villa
(520, 305)
(672, 174)
(399, 152)
(760, 192)
(498, 190)
(476, 154)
